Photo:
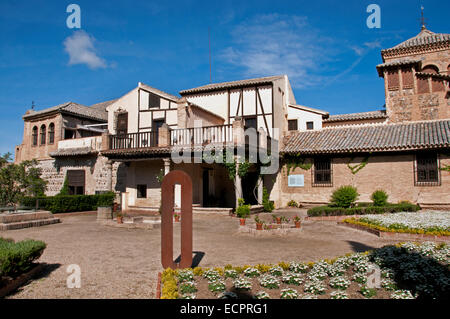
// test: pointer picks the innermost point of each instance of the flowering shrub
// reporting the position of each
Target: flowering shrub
(216, 285)
(289, 294)
(360, 278)
(368, 292)
(298, 267)
(185, 275)
(211, 275)
(308, 296)
(242, 284)
(231, 273)
(315, 287)
(293, 279)
(432, 223)
(268, 281)
(276, 271)
(262, 295)
(252, 272)
(338, 295)
(402, 294)
(188, 287)
(408, 270)
(339, 283)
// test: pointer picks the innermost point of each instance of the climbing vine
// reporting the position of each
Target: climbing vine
(294, 161)
(229, 162)
(356, 168)
(445, 168)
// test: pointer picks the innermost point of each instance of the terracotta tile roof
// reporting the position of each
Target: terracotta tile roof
(74, 109)
(374, 138)
(425, 37)
(381, 114)
(399, 62)
(103, 105)
(159, 92)
(232, 84)
(73, 151)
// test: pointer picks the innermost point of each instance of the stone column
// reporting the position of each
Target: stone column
(109, 164)
(166, 165)
(237, 184)
(260, 190)
(238, 131)
(164, 135)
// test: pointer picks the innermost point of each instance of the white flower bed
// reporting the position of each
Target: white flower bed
(414, 220)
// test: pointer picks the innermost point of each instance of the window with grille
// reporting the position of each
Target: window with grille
(43, 134)
(322, 172)
(427, 169)
(292, 125)
(35, 136)
(51, 133)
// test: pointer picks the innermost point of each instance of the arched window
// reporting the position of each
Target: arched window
(51, 133)
(35, 136)
(43, 134)
(432, 69)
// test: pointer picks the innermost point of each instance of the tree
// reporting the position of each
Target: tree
(65, 188)
(19, 180)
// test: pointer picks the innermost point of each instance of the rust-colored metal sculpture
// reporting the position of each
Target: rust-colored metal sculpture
(167, 192)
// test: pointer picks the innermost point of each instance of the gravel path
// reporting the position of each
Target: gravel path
(123, 263)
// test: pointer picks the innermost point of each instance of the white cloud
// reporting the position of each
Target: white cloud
(81, 50)
(278, 44)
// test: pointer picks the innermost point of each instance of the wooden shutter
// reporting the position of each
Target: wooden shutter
(122, 123)
(407, 78)
(76, 177)
(437, 85)
(393, 79)
(422, 85)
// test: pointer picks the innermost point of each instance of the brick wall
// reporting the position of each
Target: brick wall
(392, 173)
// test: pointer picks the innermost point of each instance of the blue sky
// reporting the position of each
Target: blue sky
(324, 46)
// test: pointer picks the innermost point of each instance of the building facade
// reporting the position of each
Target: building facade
(128, 144)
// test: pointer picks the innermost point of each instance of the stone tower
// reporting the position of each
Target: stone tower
(416, 74)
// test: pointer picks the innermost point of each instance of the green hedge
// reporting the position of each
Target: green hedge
(17, 258)
(70, 203)
(361, 210)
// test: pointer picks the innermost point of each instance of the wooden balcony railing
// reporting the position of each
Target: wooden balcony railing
(133, 140)
(202, 135)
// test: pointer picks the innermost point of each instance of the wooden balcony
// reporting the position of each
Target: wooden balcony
(165, 138)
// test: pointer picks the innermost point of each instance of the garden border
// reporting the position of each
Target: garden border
(16, 283)
(158, 286)
(395, 235)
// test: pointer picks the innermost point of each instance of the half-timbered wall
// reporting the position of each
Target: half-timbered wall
(143, 107)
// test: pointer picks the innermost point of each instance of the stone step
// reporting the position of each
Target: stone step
(22, 217)
(30, 223)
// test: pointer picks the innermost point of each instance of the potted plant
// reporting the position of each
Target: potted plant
(276, 219)
(119, 218)
(259, 223)
(285, 219)
(176, 216)
(297, 222)
(243, 211)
